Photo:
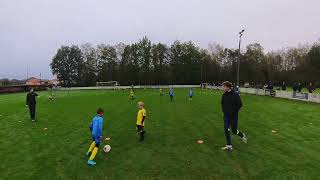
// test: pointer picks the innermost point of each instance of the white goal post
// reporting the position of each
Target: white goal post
(107, 85)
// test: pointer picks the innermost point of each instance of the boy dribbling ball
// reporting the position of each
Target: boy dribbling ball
(96, 132)
(231, 104)
(141, 117)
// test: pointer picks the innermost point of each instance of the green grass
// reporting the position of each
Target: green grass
(170, 150)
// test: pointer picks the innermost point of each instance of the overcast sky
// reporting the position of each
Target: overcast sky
(32, 30)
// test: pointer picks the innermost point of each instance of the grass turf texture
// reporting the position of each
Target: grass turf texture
(170, 150)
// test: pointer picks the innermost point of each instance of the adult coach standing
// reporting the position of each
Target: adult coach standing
(31, 103)
(231, 104)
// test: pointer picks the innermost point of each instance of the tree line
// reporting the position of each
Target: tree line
(148, 63)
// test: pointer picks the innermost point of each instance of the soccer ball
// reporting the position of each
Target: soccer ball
(107, 148)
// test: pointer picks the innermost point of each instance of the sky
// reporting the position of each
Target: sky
(31, 31)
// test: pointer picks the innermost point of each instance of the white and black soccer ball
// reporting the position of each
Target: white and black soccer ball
(107, 148)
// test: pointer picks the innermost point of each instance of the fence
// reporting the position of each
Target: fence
(261, 92)
(309, 97)
(21, 88)
(129, 87)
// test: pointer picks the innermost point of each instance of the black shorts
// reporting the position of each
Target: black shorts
(140, 128)
(97, 141)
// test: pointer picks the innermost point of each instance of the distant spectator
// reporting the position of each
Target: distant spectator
(265, 86)
(299, 88)
(284, 86)
(311, 88)
(295, 87)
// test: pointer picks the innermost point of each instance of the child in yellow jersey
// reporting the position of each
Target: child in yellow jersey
(132, 95)
(142, 114)
(161, 92)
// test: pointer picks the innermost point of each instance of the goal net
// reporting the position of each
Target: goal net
(107, 85)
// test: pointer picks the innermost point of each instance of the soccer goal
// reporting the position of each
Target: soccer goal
(107, 85)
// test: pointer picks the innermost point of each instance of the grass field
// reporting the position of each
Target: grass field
(170, 150)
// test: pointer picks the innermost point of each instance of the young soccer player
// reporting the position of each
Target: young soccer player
(171, 94)
(96, 132)
(190, 94)
(132, 94)
(161, 91)
(31, 103)
(141, 117)
(231, 104)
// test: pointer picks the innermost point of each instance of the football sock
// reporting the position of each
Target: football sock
(94, 152)
(93, 144)
(142, 135)
(239, 133)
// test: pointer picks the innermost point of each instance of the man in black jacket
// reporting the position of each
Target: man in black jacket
(31, 102)
(231, 104)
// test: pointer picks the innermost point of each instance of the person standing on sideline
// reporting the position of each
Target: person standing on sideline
(31, 103)
(231, 104)
(171, 94)
(284, 86)
(311, 88)
(299, 87)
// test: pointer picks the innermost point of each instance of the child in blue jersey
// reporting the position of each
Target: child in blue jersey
(171, 93)
(96, 132)
(190, 94)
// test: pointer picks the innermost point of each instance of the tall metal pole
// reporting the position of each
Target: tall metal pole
(201, 73)
(238, 71)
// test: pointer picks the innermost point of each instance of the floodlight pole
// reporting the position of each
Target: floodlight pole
(201, 74)
(238, 70)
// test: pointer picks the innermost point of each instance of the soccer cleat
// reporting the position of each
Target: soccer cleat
(227, 148)
(91, 162)
(33, 120)
(244, 138)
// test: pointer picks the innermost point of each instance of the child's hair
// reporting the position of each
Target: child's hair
(227, 84)
(100, 111)
(141, 103)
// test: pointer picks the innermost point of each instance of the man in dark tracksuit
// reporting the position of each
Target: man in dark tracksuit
(31, 102)
(231, 104)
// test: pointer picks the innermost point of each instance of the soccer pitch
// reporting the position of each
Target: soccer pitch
(170, 150)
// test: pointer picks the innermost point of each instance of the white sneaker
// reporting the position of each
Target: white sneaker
(227, 148)
(244, 138)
